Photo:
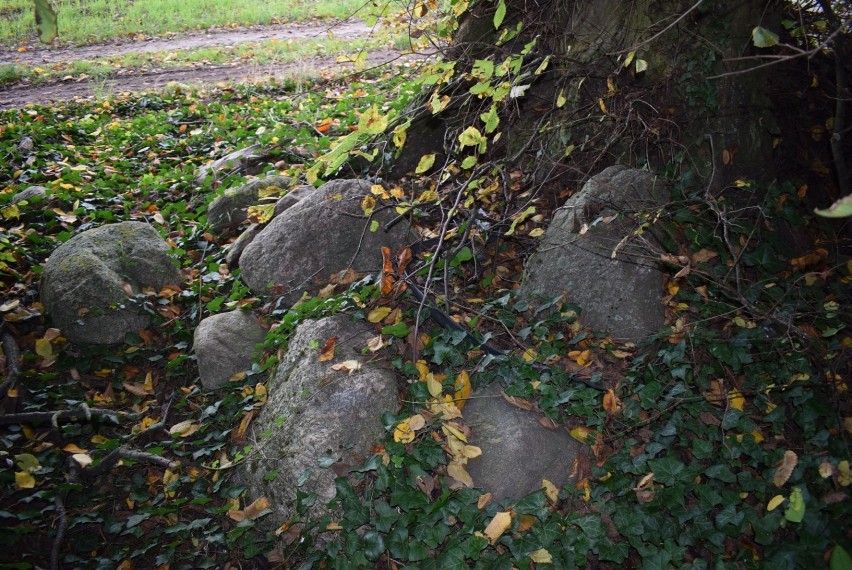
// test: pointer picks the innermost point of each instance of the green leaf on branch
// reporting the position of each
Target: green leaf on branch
(470, 137)
(426, 162)
(764, 38)
(491, 119)
(499, 14)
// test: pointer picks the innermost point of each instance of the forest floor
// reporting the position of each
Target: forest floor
(160, 73)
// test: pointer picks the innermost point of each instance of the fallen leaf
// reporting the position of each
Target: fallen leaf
(349, 366)
(736, 399)
(388, 276)
(462, 389)
(416, 422)
(255, 509)
(457, 471)
(517, 402)
(483, 500)
(541, 556)
(184, 429)
(785, 468)
(376, 343)
(24, 480)
(550, 491)
(82, 458)
(327, 352)
(498, 525)
(704, 255)
(611, 403)
(377, 314)
(73, 448)
(774, 502)
(403, 433)
(581, 433)
(433, 385)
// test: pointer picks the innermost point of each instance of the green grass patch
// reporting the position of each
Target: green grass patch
(254, 53)
(91, 21)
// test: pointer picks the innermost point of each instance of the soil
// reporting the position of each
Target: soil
(20, 94)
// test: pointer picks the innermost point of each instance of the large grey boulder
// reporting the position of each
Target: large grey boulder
(324, 233)
(86, 281)
(228, 211)
(517, 451)
(318, 422)
(593, 251)
(224, 345)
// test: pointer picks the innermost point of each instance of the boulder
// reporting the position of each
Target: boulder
(318, 422)
(87, 280)
(224, 345)
(31, 193)
(621, 293)
(292, 198)
(321, 235)
(517, 451)
(228, 211)
(235, 250)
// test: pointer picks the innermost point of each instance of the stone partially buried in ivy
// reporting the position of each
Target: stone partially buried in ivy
(88, 281)
(518, 453)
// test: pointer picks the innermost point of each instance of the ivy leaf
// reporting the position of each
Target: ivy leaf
(499, 14)
(796, 509)
(764, 38)
(840, 559)
(667, 469)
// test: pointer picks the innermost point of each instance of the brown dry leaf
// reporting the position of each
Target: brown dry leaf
(255, 509)
(717, 394)
(403, 258)
(458, 472)
(785, 468)
(135, 389)
(483, 500)
(704, 255)
(376, 343)
(327, 352)
(611, 403)
(517, 402)
(239, 434)
(548, 423)
(388, 278)
(498, 525)
(526, 522)
(645, 489)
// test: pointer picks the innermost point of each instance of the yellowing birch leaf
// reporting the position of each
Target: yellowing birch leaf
(184, 429)
(402, 433)
(72, 448)
(550, 490)
(451, 430)
(774, 502)
(541, 556)
(433, 385)
(260, 395)
(529, 355)
(471, 451)
(378, 314)
(422, 368)
(581, 433)
(785, 468)
(457, 471)
(24, 480)
(426, 162)
(43, 348)
(736, 399)
(498, 525)
(462, 389)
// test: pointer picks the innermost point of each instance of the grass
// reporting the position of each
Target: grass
(253, 53)
(84, 22)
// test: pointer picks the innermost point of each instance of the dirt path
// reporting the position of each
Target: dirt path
(20, 94)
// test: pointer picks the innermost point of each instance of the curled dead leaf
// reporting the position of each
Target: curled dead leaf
(348, 366)
(498, 525)
(785, 467)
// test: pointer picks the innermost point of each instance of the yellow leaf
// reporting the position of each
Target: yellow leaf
(581, 433)
(402, 433)
(450, 430)
(736, 399)
(422, 368)
(629, 58)
(471, 451)
(536, 232)
(785, 467)
(72, 448)
(457, 471)
(541, 556)
(462, 388)
(43, 348)
(83, 459)
(529, 355)
(602, 106)
(560, 99)
(498, 525)
(774, 502)
(826, 469)
(184, 429)
(377, 314)
(372, 122)
(426, 162)
(550, 490)
(260, 395)
(368, 204)
(24, 480)
(333, 526)
(845, 477)
(433, 385)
